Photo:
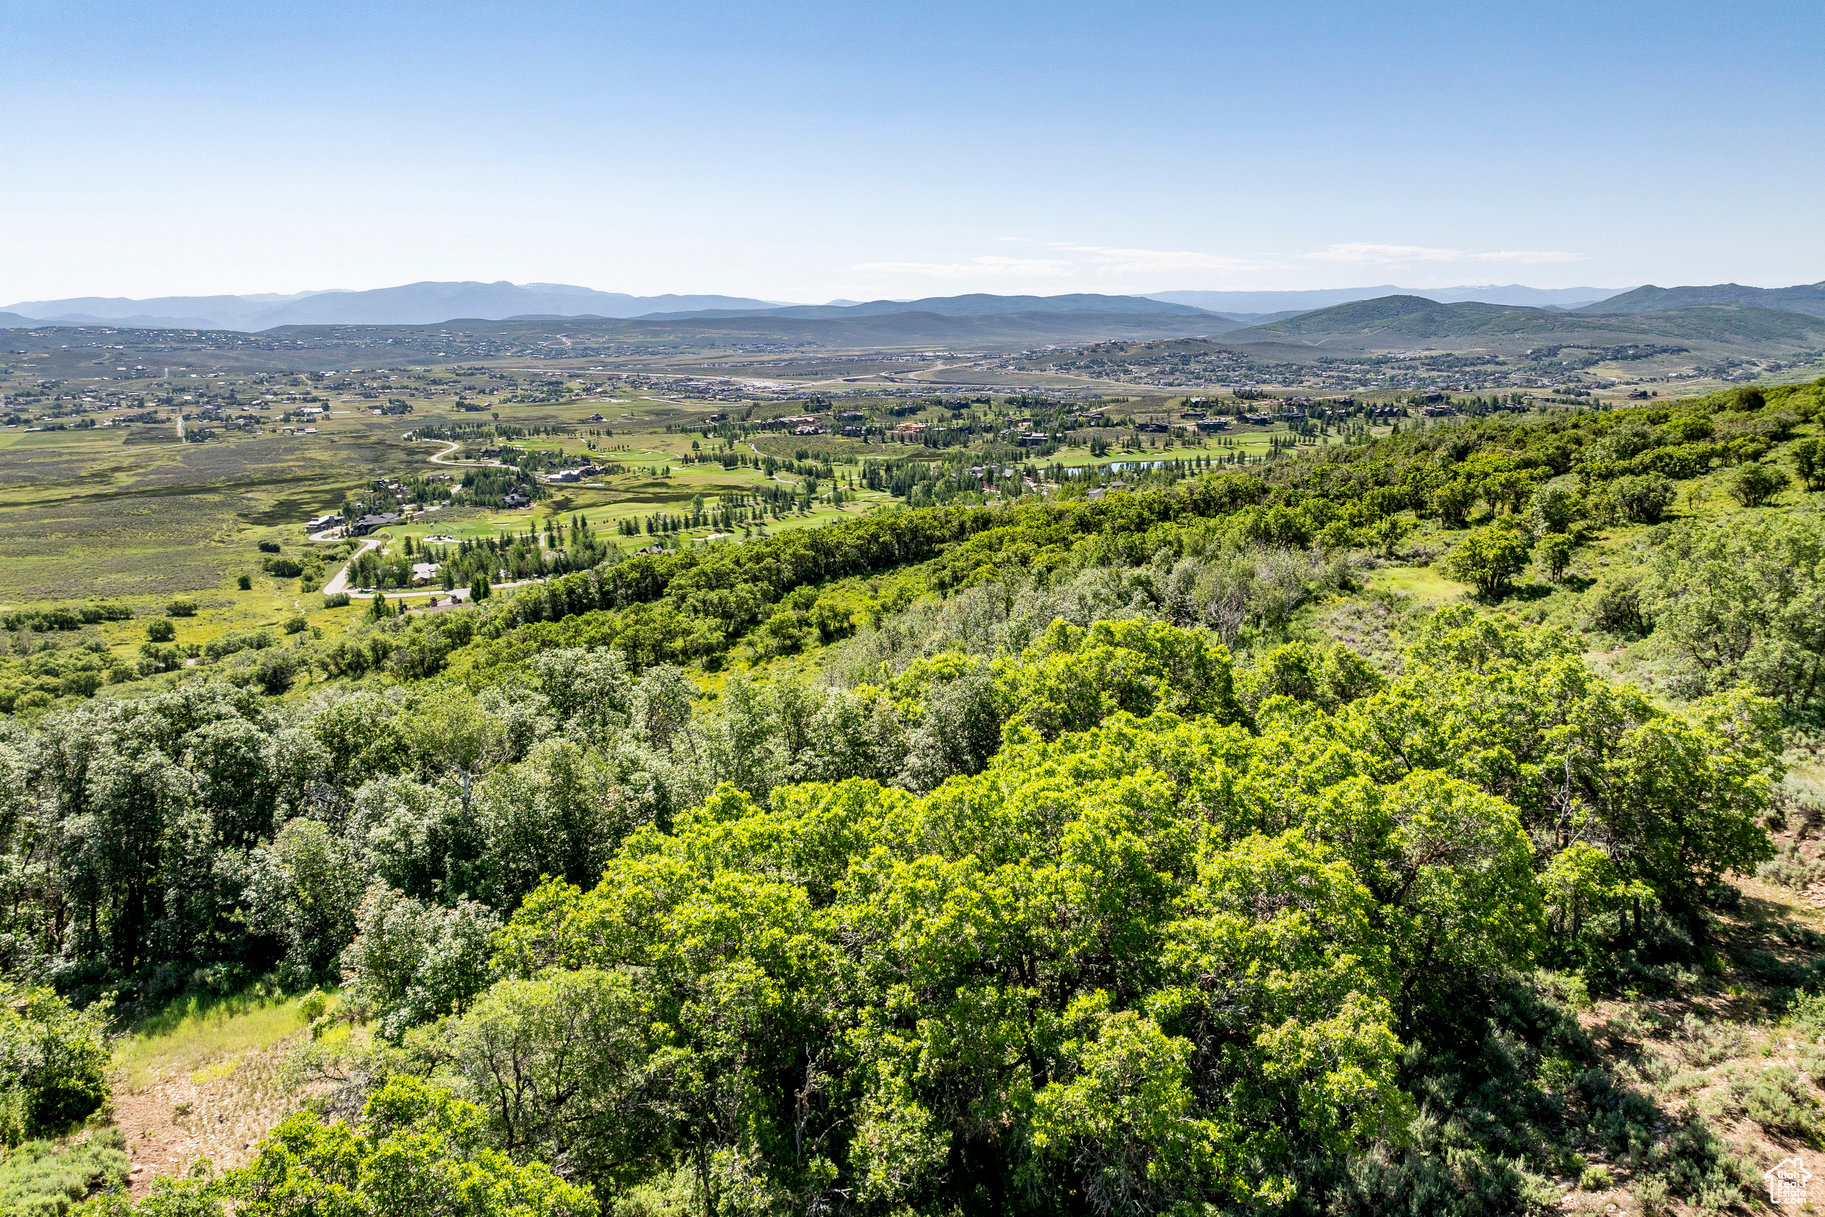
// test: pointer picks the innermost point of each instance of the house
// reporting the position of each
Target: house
(515, 499)
(424, 572)
(368, 523)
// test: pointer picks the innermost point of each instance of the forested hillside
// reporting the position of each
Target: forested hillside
(1411, 825)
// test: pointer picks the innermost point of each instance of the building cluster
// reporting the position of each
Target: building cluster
(573, 475)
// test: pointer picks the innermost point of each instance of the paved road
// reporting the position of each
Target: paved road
(339, 582)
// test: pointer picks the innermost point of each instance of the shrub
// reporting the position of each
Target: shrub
(1808, 457)
(244, 582)
(335, 599)
(181, 608)
(1642, 498)
(1595, 1178)
(53, 1061)
(1489, 558)
(1702, 1043)
(1615, 607)
(269, 547)
(1790, 869)
(296, 624)
(275, 671)
(39, 1180)
(1555, 554)
(1756, 482)
(161, 630)
(1776, 1098)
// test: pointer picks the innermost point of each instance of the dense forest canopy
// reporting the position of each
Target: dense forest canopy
(1050, 857)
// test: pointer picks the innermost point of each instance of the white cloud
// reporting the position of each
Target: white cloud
(1072, 261)
(1530, 255)
(1366, 253)
(1117, 260)
(987, 265)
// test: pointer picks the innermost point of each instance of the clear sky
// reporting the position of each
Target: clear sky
(805, 151)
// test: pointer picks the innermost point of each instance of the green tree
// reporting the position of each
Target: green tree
(1555, 554)
(1755, 482)
(1489, 558)
(1556, 508)
(412, 962)
(417, 1153)
(1642, 498)
(1744, 604)
(1808, 457)
(53, 1062)
(304, 889)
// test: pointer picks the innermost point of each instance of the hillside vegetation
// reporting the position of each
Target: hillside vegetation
(1396, 322)
(1417, 824)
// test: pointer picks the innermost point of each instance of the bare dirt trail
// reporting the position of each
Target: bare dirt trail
(219, 1113)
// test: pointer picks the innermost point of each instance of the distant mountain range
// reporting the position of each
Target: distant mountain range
(1399, 323)
(1722, 315)
(1807, 298)
(432, 303)
(409, 304)
(977, 305)
(1250, 305)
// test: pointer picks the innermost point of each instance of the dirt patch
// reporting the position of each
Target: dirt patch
(217, 1113)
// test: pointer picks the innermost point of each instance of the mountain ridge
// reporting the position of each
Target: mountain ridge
(1399, 322)
(1807, 298)
(427, 302)
(973, 304)
(1231, 303)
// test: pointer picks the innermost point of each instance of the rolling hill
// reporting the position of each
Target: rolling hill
(974, 305)
(1395, 323)
(1251, 305)
(372, 346)
(1806, 298)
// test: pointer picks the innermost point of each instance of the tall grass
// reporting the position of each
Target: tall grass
(204, 1034)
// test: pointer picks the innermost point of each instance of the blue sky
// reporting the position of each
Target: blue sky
(805, 151)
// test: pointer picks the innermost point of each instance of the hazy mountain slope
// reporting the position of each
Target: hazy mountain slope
(1233, 303)
(370, 346)
(974, 305)
(1804, 298)
(408, 304)
(1409, 322)
(212, 312)
(15, 321)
